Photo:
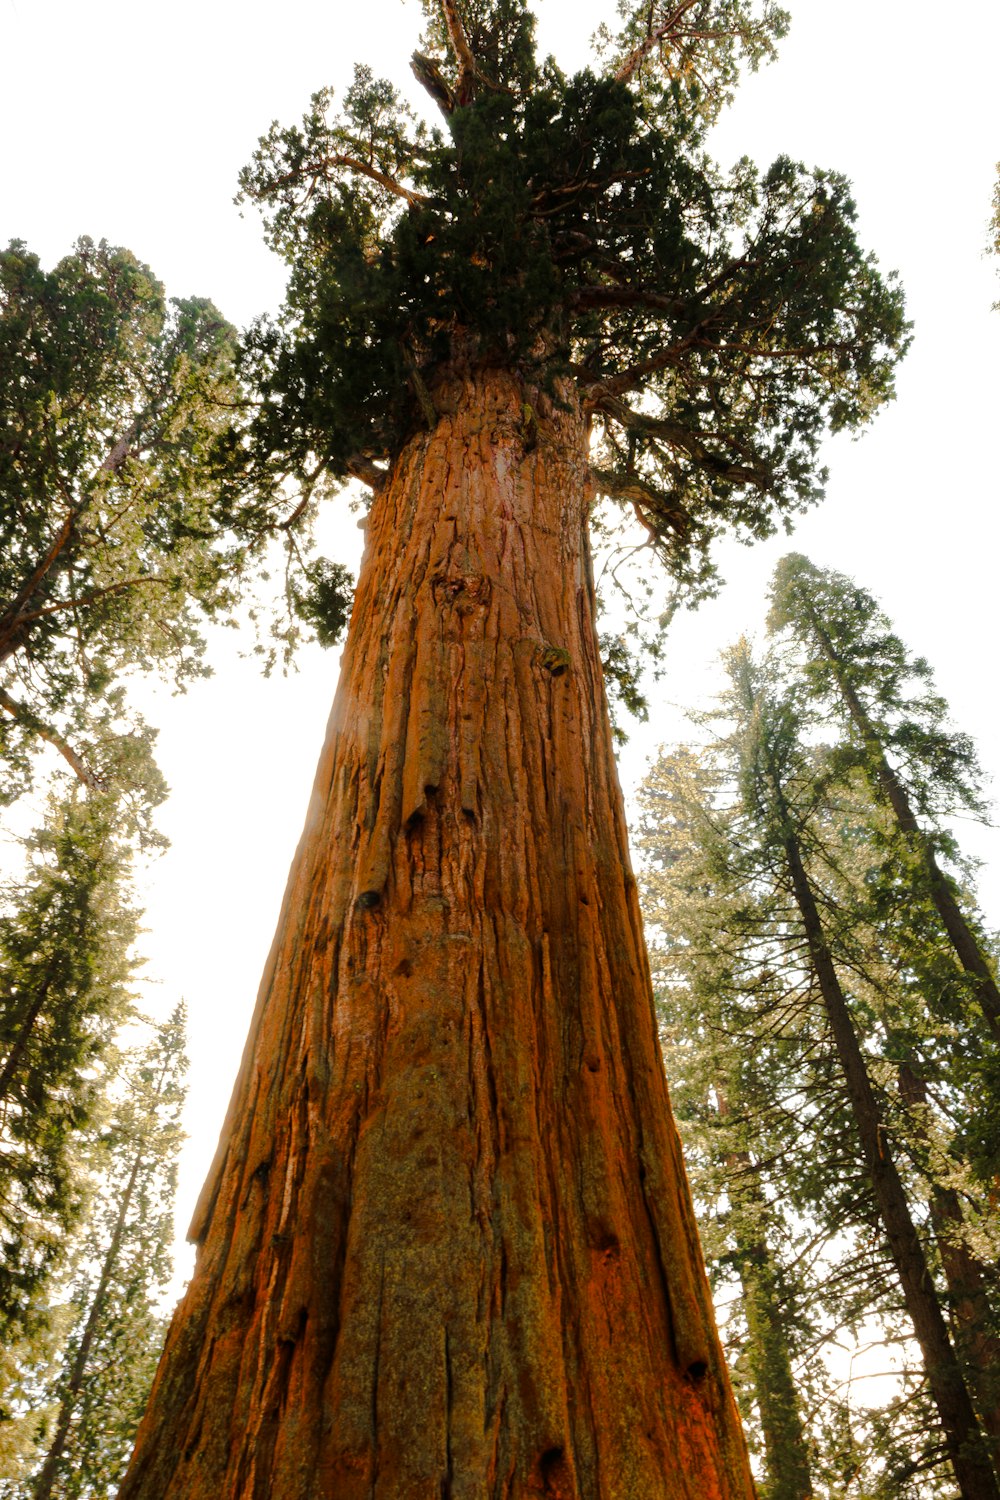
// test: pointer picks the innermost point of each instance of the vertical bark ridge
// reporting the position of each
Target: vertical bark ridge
(447, 1246)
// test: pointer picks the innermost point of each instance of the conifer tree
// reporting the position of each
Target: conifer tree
(66, 932)
(110, 542)
(705, 936)
(922, 768)
(122, 1264)
(446, 1246)
(786, 904)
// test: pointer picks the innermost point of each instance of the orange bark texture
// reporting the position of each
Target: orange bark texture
(447, 1248)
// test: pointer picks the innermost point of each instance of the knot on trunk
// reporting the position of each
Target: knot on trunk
(555, 659)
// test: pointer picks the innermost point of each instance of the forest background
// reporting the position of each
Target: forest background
(131, 124)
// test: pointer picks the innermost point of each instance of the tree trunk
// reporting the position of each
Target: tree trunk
(47, 1475)
(966, 1450)
(15, 1056)
(447, 1248)
(967, 1279)
(785, 1448)
(768, 1356)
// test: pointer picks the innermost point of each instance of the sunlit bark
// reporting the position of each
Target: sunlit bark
(447, 1246)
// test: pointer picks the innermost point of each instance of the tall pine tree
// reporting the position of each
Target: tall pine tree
(848, 1108)
(122, 1266)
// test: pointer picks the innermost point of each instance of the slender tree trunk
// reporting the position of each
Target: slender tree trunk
(960, 934)
(48, 1473)
(787, 1456)
(15, 1056)
(774, 1392)
(447, 1249)
(966, 1278)
(975, 1476)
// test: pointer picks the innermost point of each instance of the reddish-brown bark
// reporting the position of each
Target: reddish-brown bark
(447, 1246)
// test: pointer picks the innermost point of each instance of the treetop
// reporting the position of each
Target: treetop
(713, 324)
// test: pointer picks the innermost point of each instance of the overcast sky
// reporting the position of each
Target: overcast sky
(130, 122)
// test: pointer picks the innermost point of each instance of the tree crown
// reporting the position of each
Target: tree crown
(574, 229)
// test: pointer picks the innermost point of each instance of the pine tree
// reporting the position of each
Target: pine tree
(110, 541)
(787, 904)
(446, 1246)
(919, 765)
(122, 1266)
(66, 932)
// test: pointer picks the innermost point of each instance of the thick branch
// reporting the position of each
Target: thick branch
(611, 297)
(365, 169)
(360, 467)
(691, 442)
(643, 496)
(657, 34)
(467, 70)
(429, 75)
(11, 621)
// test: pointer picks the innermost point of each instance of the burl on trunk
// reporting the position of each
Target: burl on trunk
(447, 1248)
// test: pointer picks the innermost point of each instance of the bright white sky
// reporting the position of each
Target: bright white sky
(130, 122)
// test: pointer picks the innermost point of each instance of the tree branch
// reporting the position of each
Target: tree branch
(465, 84)
(429, 75)
(51, 736)
(91, 598)
(688, 440)
(656, 34)
(642, 495)
(11, 620)
(611, 297)
(360, 467)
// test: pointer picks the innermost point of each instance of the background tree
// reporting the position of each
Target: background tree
(464, 1114)
(122, 1267)
(66, 932)
(110, 399)
(854, 662)
(755, 987)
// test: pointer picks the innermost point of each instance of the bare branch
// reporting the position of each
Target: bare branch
(429, 75)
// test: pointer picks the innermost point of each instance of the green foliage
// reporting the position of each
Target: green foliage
(66, 930)
(85, 1405)
(574, 230)
(622, 675)
(694, 49)
(110, 402)
(794, 1242)
(853, 670)
(122, 1267)
(323, 599)
(844, 640)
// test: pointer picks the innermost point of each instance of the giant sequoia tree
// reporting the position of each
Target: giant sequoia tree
(446, 1247)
